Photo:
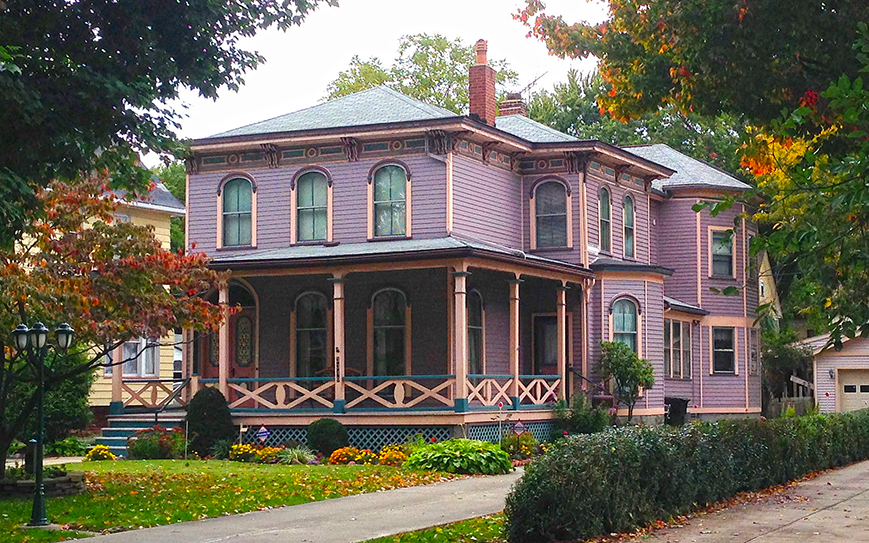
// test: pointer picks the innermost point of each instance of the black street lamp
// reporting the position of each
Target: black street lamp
(33, 344)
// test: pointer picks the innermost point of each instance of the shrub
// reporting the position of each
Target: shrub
(461, 456)
(392, 455)
(157, 443)
(327, 435)
(296, 455)
(99, 452)
(69, 446)
(580, 418)
(622, 478)
(208, 420)
(520, 446)
(220, 448)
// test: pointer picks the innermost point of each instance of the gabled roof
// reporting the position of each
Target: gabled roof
(373, 106)
(690, 172)
(531, 130)
(158, 199)
(676, 305)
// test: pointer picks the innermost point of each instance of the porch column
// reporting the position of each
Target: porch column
(338, 339)
(514, 340)
(460, 334)
(561, 324)
(223, 342)
(116, 407)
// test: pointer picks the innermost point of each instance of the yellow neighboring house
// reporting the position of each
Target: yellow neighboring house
(142, 374)
(767, 292)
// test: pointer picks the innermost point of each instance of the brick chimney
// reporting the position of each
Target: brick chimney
(513, 105)
(481, 83)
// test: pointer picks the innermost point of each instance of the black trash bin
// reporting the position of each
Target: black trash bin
(677, 408)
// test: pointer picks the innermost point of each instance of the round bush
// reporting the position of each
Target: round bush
(327, 435)
(209, 420)
(461, 456)
(157, 443)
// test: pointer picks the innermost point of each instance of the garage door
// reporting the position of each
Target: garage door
(854, 388)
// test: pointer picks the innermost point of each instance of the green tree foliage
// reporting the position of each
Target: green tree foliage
(428, 67)
(175, 178)
(572, 107)
(209, 421)
(85, 86)
(781, 358)
(629, 372)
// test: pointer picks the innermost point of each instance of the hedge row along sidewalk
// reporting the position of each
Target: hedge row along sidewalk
(625, 478)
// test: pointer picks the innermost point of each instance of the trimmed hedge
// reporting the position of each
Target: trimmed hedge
(624, 478)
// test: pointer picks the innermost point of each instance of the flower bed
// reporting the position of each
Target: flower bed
(620, 479)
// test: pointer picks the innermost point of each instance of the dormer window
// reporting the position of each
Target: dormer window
(237, 221)
(390, 202)
(604, 214)
(551, 215)
(630, 243)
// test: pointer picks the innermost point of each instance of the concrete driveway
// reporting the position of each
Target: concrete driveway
(832, 508)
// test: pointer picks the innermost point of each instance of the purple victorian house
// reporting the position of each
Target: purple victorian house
(405, 269)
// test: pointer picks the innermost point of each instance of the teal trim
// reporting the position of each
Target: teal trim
(116, 408)
(396, 409)
(396, 377)
(338, 406)
(544, 377)
(209, 380)
(278, 379)
(461, 405)
(489, 376)
(323, 410)
(517, 403)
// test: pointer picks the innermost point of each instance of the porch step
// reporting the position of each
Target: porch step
(121, 427)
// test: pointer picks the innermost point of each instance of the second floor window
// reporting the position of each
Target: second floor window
(237, 212)
(722, 253)
(390, 201)
(625, 322)
(605, 227)
(550, 205)
(312, 206)
(475, 332)
(677, 349)
(629, 227)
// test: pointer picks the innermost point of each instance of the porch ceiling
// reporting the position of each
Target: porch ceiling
(377, 252)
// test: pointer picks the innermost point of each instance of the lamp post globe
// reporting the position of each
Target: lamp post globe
(64, 334)
(38, 335)
(20, 334)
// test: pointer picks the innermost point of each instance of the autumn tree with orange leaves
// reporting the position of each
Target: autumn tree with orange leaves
(111, 281)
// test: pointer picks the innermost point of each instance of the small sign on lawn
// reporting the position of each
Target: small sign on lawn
(519, 428)
(263, 433)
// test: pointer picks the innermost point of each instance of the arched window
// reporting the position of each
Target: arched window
(625, 322)
(629, 227)
(550, 213)
(312, 207)
(389, 311)
(390, 201)
(475, 332)
(604, 212)
(312, 335)
(237, 212)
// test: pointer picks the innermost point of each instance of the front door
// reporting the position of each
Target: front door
(242, 348)
(546, 344)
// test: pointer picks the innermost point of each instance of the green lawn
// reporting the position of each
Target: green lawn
(476, 530)
(137, 493)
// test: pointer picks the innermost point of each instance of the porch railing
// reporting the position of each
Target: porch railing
(539, 389)
(153, 393)
(399, 391)
(489, 389)
(281, 393)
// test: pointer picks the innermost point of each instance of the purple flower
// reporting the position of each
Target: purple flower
(613, 410)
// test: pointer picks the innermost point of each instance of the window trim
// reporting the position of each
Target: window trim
(639, 310)
(735, 351)
(684, 324)
(609, 220)
(407, 330)
(408, 209)
(476, 292)
(253, 214)
(532, 209)
(733, 250)
(140, 360)
(294, 329)
(294, 206)
(633, 227)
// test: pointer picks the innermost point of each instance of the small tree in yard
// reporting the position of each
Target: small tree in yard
(629, 373)
(111, 281)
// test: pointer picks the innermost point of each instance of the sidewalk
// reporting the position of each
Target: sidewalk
(50, 461)
(832, 508)
(343, 520)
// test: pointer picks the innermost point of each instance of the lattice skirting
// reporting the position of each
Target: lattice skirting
(542, 430)
(373, 438)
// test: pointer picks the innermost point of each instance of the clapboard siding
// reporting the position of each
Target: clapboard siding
(486, 203)
(677, 248)
(854, 355)
(496, 303)
(572, 255)
(350, 204)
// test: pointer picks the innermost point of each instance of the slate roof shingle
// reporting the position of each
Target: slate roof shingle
(530, 130)
(690, 172)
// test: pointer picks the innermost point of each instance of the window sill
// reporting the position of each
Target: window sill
(551, 249)
(723, 277)
(390, 238)
(315, 243)
(680, 379)
(235, 247)
(724, 373)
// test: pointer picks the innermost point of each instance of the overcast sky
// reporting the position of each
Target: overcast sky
(302, 61)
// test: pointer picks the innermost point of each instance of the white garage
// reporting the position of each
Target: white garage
(841, 377)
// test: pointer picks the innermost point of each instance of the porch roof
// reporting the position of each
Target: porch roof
(603, 263)
(676, 305)
(388, 251)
